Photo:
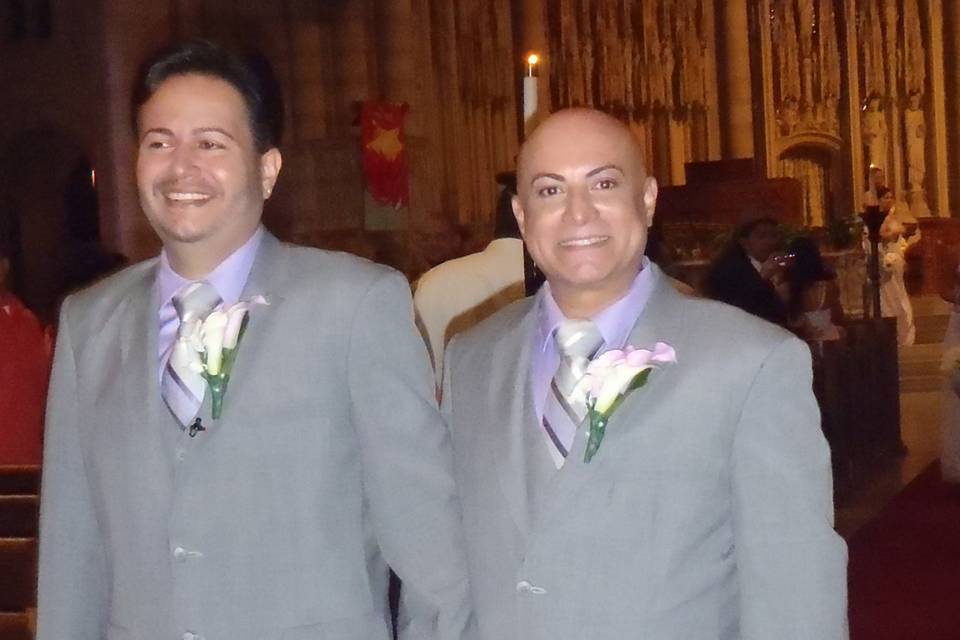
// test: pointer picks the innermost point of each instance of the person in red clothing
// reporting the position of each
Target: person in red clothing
(25, 357)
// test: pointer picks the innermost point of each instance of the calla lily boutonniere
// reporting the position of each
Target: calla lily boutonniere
(216, 341)
(610, 377)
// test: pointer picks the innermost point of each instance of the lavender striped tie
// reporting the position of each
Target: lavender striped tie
(564, 410)
(181, 386)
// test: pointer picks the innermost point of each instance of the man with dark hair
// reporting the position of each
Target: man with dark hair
(242, 434)
(249, 73)
(749, 272)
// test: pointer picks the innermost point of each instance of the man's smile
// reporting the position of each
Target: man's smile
(589, 241)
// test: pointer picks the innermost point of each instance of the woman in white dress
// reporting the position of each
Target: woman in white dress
(894, 301)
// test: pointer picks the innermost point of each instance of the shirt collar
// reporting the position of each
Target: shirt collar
(614, 322)
(228, 278)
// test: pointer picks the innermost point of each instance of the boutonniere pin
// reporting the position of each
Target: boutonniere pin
(610, 377)
(216, 341)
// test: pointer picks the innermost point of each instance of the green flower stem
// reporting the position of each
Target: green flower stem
(218, 389)
(598, 427)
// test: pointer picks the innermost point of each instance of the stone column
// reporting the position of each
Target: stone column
(736, 107)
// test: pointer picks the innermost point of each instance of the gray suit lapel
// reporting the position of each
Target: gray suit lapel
(521, 458)
(660, 315)
(265, 280)
(139, 356)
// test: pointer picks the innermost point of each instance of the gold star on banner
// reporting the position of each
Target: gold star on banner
(386, 143)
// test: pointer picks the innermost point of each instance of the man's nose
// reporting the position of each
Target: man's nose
(184, 159)
(579, 205)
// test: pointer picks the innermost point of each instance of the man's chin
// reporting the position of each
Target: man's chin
(186, 234)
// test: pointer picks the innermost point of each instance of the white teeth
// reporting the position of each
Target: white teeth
(584, 242)
(187, 197)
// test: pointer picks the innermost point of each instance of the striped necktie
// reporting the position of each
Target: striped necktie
(564, 410)
(181, 385)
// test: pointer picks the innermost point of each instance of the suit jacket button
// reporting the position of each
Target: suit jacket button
(189, 635)
(180, 554)
(524, 587)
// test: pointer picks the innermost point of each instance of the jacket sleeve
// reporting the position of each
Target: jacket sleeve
(407, 463)
(791, 564)
(72, 589)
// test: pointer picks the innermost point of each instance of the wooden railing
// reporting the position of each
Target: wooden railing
(856, 381)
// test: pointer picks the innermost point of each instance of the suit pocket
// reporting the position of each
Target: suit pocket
(369, 626)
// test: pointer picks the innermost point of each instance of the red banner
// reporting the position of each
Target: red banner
(384, 154)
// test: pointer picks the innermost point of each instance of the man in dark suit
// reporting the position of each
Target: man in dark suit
(749, 272)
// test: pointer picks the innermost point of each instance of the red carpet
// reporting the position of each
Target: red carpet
(905, 566)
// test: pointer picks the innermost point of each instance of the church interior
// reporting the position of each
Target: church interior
(400, 114)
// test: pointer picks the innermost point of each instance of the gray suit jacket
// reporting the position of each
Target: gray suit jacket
(330, 459)
(706, 514)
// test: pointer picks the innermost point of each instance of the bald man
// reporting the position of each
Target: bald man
(706, 513)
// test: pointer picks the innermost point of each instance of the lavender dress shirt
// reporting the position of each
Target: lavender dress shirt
(615, 323)
(228, 278)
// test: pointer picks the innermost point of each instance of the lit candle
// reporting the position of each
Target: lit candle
(532, 61)
(530, 88)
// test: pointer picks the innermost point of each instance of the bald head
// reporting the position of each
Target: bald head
(584, 205)
(566, 133)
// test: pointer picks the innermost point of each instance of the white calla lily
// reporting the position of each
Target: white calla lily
(615, 383)
(609, 377)
(235, 315)
(212, 334)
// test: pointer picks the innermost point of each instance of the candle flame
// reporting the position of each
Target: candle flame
(533, 58)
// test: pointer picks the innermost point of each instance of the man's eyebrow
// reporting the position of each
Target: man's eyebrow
(157, 130)
(163, 131)
(604, 168)
(214, 130)
(552, 176)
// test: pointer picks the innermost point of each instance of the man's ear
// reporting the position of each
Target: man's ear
(518, 213)
(650, 198)
(270, 163)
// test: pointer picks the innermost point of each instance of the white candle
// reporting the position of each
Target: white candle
(530, 88)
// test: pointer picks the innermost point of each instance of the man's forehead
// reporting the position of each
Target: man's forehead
(197, 91)
(202, 102)
(563, 156)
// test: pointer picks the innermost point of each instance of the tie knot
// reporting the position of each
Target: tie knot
(195, 300)
(578, 339)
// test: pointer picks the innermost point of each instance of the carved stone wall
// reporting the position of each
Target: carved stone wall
(650, 63)
(801, 93)
(863, 82)
(893, 82)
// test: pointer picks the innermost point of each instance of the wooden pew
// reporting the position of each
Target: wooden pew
(19, 516)
(18, 574)
(19, 501)
(15, 626)
(19, 480)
